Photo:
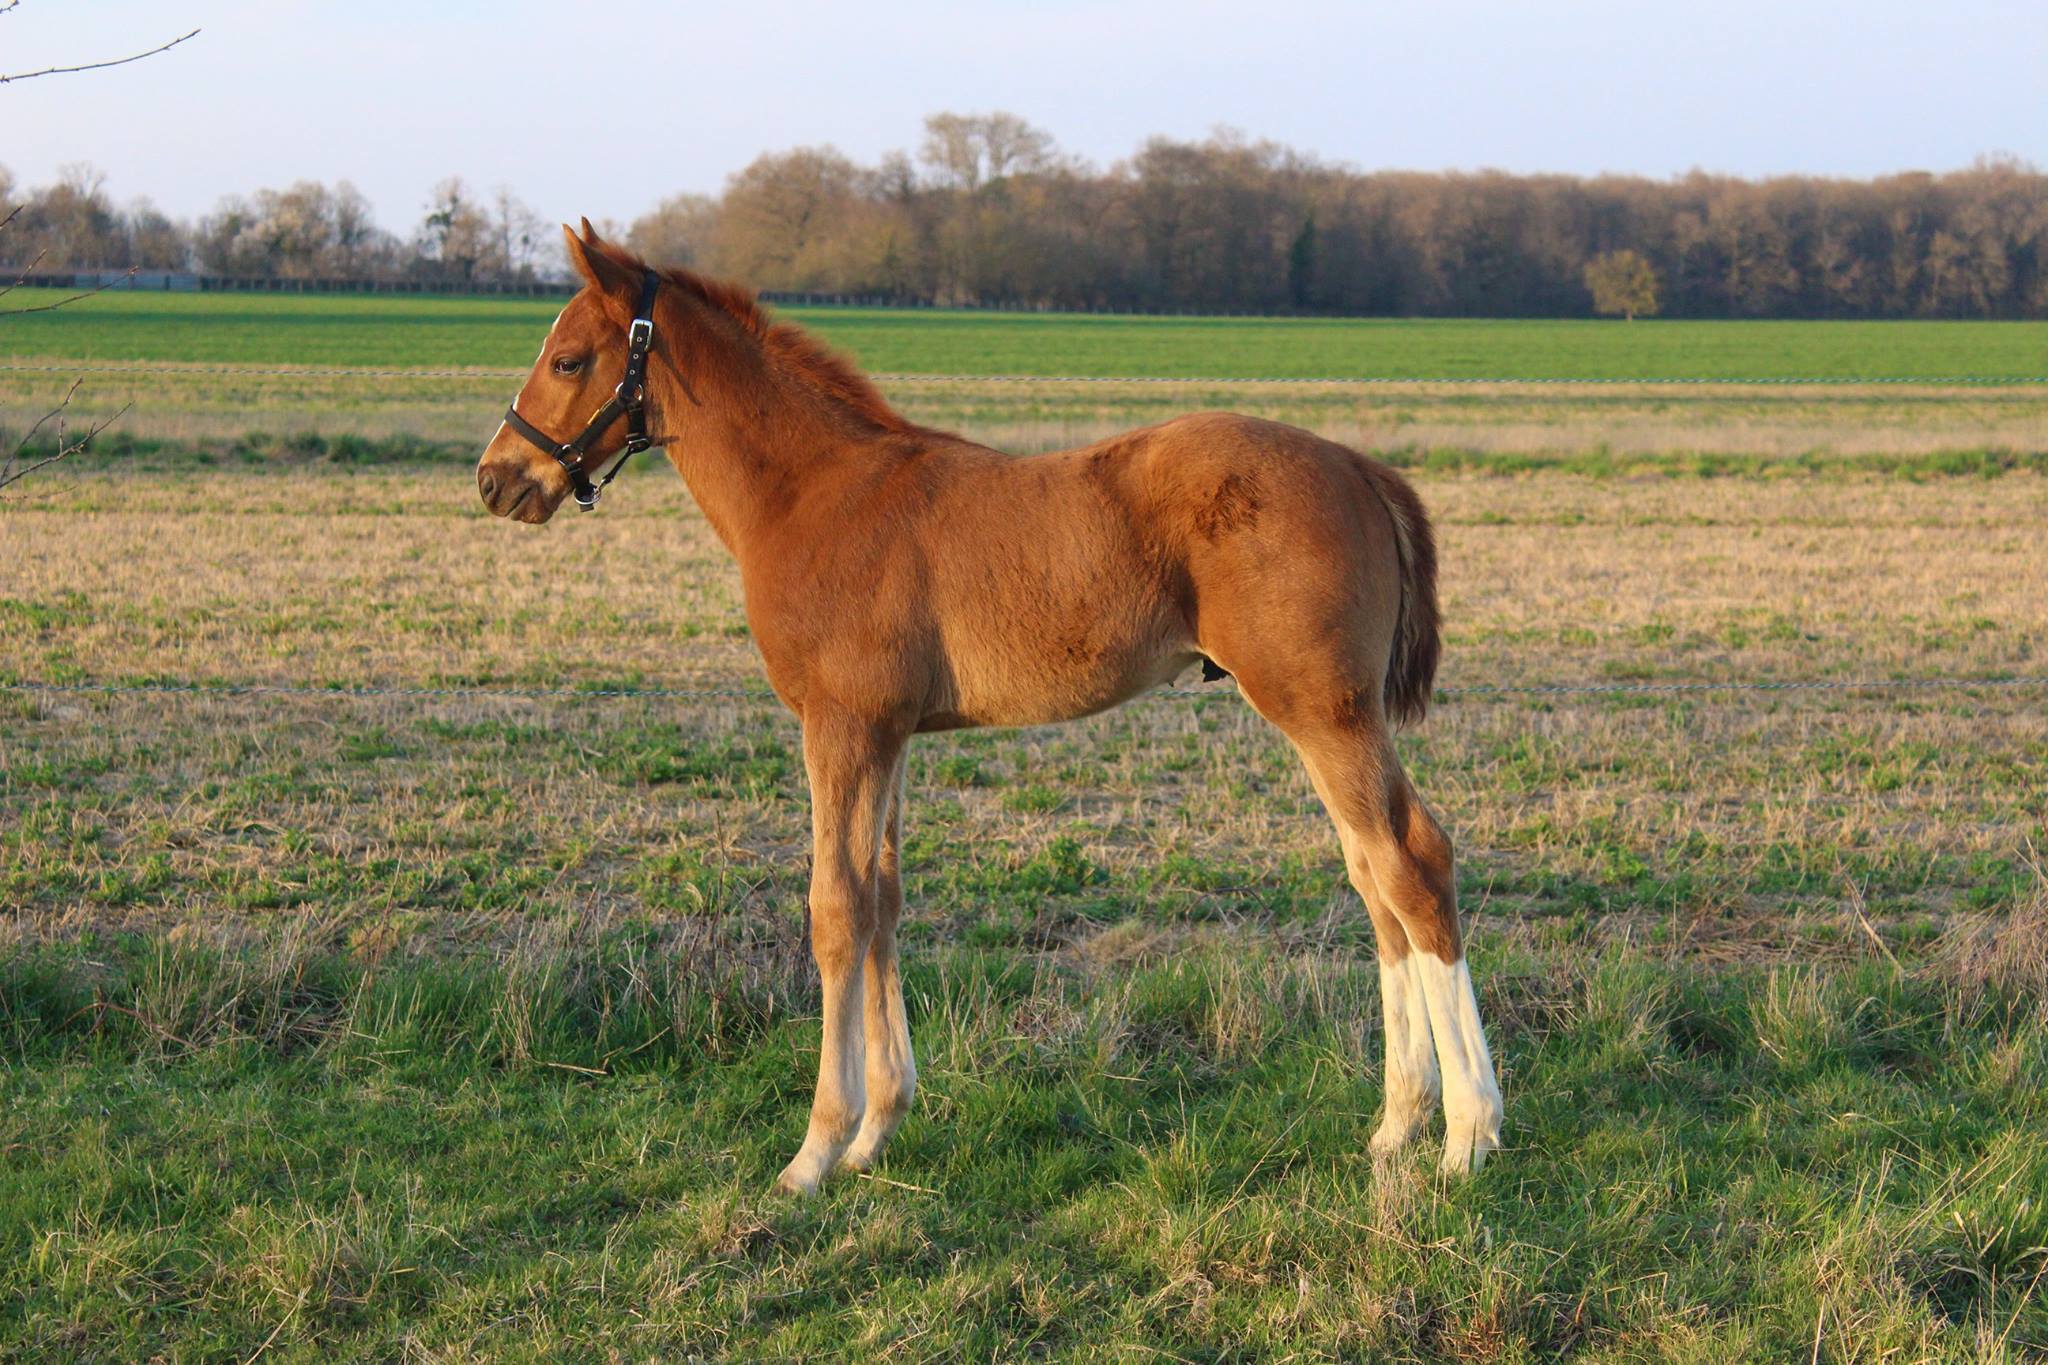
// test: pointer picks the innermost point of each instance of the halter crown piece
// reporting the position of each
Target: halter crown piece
(629, 400)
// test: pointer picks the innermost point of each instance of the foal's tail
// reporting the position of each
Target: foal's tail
(1418, 634)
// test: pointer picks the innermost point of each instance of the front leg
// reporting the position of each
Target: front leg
(850, 763)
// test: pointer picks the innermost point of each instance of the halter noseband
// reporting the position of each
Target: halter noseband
(628, 400)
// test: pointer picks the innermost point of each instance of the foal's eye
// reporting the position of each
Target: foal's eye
(567, 364)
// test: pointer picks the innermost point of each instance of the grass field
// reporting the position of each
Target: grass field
(440, 1028)
(248, 329)
(437, 1028)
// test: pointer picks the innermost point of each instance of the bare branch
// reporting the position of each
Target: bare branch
(12, 470)
(26, 271)
(94, 66)
(9, 5)
(55, 414)
(99, 288)
(63, 452)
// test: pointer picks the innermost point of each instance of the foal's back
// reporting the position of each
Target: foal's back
(1118, 564)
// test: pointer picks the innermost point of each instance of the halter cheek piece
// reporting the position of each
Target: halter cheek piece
(629, 400)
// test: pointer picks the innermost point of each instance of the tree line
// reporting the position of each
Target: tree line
(304, 231)
(989, 211)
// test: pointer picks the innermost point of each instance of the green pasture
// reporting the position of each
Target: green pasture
(253, 329)
(446, 1029)
(562, 1154)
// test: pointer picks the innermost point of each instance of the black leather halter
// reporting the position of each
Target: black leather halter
(629, 400)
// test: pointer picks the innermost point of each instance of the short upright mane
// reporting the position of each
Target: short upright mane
(787, 345)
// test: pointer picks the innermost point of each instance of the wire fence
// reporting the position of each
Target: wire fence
(1670, 381)
(1476, 691)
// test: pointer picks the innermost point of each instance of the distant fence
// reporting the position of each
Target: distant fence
(193, 282)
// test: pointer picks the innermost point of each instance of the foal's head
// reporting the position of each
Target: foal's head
(579, 366)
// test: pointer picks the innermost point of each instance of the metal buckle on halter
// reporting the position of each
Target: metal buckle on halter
(641, 333)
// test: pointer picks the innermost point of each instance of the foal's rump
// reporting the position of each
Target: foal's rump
(1312, 566)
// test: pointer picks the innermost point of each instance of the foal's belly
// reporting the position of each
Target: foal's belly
(1034, 687)
(1051, 596)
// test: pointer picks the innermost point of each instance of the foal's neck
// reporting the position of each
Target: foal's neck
(747, 431)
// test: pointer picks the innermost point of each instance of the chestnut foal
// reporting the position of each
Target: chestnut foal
(900, 580)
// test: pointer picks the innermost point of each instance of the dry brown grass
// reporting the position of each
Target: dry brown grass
(1727, 825)
(399, 575)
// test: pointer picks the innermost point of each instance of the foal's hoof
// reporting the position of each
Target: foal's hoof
(861, 1159)
(798, 1179)
(1393, 1135)
(1467, 1144)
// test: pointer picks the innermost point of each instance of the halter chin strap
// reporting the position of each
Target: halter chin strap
(629, 400)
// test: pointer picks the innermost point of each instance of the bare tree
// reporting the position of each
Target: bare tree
(782, 217)
(454, 234)
(25, 457)
(517, 233)
(968, 151)
(679, 231)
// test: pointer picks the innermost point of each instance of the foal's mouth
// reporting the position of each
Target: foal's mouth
(532, 505)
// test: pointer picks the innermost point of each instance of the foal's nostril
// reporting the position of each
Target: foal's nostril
(486, 484)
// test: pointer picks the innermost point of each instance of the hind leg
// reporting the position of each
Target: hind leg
(1409, 860)
(1400, 860)
(1411, 1078)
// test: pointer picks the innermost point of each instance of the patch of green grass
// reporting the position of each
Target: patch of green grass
(741, 764)
(520, 1024)
(1034, 799)
(260, 451)
(66, 610)
(1972, 462)
(386, 330)
(958, 770)
(565, 1153)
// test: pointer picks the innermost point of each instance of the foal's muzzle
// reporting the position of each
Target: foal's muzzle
(510, 490)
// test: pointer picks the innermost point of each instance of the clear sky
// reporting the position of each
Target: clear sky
(604, 109)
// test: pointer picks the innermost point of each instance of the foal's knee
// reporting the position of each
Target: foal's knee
(842, 930)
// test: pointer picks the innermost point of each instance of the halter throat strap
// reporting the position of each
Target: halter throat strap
(628, 400)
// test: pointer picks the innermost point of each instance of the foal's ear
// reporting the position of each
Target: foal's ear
(615, 284)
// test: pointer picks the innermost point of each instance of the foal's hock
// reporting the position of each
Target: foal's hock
(900, 580)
